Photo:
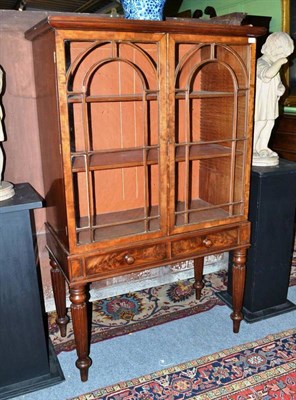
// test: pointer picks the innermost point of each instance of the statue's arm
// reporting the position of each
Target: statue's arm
(274, 68)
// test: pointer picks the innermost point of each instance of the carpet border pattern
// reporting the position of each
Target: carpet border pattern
(233, 390)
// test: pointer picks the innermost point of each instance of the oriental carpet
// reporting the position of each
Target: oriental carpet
(131, 312)
(261, 370)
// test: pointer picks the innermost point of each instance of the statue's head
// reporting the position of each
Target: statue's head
(278, 45)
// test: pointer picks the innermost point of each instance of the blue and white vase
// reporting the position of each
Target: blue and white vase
(143, 9)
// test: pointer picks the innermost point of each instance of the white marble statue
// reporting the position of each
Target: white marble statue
(269, 89)
(6, 188)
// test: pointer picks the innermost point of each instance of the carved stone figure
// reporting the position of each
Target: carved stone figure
(6, 188)
(269, 89)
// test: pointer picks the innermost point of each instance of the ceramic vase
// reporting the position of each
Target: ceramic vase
(143, 9)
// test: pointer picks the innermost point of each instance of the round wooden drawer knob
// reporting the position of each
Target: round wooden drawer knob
(129, 259)
(207, 242)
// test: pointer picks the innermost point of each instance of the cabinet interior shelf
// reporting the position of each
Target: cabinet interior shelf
(129, 222)
(181, 94)
(200, 94)
(135, 157)
(117, 224)
(79, 97)
(201, 151)
(115, 159)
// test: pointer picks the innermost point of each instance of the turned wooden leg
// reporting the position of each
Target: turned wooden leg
(59, 292)
(80, 328)
(198, 275)
(238, 286)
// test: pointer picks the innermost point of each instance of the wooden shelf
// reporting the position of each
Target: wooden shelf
(78, 97)
(201, 151)
(118, 224)
(115, 159)
(202, 94)
(130, 222)
(199, 211)
(135, 157)
(180, 94)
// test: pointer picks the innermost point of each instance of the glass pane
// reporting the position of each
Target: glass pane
(210, 132)
(204, 190)
(113, 108)
(119, 204)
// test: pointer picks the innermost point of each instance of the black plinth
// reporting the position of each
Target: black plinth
(28, 361)
(272, 213)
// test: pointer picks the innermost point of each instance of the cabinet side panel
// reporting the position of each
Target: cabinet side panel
(48, 122)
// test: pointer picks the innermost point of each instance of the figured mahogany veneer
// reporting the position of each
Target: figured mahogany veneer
(145, 131)
(214, 242)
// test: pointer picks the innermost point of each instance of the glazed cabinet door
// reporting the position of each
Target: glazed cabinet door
(211, 84)
(112, 87)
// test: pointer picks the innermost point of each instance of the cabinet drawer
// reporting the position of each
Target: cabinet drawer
(125, 259)
(212, 242)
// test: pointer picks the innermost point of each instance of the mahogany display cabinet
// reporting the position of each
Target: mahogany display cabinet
(146, 138)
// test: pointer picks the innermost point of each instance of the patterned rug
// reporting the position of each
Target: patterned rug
(131, 312)
(261, 370)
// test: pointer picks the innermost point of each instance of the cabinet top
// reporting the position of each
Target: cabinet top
(188, 26)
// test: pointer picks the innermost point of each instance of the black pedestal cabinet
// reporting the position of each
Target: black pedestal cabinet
(272, 214)
(28, 361)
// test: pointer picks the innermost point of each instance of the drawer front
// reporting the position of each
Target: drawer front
(210, 243)
(106, 264)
